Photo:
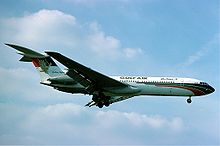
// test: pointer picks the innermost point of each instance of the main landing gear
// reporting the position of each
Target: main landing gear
(189, 100)
(101, 100)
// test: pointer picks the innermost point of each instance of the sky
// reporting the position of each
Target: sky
(177, 38)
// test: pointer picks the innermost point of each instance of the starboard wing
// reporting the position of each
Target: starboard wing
(90, 79)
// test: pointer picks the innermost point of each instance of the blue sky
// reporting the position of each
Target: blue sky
(144, 37)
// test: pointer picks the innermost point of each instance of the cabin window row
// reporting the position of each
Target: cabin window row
(147, 81)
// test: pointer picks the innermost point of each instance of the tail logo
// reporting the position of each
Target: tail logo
(44, 65)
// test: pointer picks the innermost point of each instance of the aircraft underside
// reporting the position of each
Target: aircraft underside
(103, 98)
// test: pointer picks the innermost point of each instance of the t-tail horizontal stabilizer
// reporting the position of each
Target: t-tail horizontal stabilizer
(28, 54)
(46, 67)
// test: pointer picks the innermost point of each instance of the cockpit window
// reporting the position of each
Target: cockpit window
(203, 83)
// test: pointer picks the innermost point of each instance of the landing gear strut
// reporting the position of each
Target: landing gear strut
(189, 100)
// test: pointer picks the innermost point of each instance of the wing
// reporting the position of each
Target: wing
(90, 79)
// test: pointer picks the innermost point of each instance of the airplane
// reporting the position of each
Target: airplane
(104, 89)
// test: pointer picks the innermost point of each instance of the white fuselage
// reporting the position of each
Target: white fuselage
(141, 85)
(156, 85)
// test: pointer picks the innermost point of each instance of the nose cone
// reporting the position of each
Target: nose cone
(209, 90)
(213, 90)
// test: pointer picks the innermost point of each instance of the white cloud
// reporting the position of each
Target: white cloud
(140, 120)
(14, 80)
(57, 30)
(61, 110)
(70, 123)
(103, 45)
(43, 26)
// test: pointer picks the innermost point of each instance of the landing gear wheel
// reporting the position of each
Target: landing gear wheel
(189, 100)
(100, 105)
(106, 103)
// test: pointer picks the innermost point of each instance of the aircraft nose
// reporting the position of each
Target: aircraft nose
(210, 89)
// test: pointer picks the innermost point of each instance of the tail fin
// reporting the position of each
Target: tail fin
(47, 67)
(44, 64)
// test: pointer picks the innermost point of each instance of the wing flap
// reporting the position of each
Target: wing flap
(79, 77)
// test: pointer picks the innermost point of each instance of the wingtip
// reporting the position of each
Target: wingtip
(11, 45)
(7, 44)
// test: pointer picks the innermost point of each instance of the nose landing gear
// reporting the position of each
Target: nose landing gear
(189, 100)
